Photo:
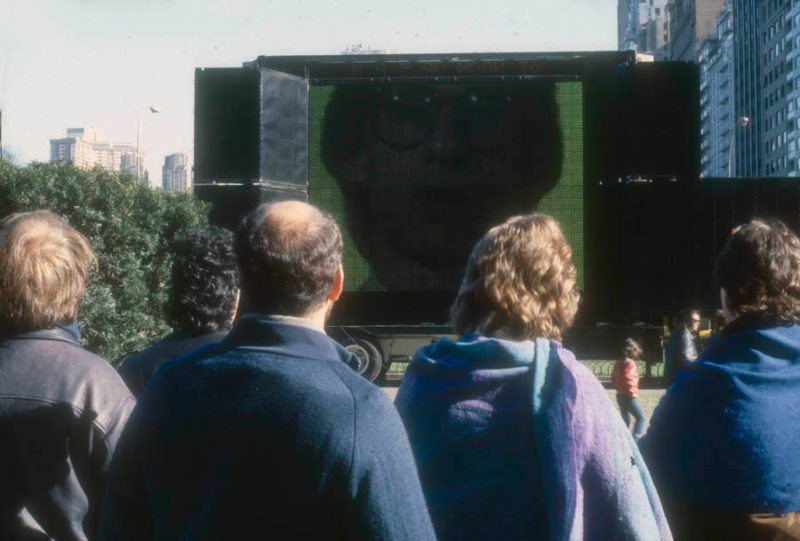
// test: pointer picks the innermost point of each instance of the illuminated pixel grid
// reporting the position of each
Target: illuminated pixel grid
(564, 202)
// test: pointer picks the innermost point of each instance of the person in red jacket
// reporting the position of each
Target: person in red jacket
(626, 382)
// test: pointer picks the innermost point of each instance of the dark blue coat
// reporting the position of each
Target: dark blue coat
(268, 434)
(726, 433)
(136, 369)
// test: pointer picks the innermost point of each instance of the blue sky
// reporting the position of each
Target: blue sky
(76, 63)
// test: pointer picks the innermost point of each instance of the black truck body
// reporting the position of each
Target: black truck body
(416, 155)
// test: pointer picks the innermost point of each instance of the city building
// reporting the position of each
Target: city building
(717, 113)
(772, 30)
(623, 11)
(748, 89)
(176, 175)
(642, 26)
(792, 71)
(83, 147)
(748, 53)
(690, 21)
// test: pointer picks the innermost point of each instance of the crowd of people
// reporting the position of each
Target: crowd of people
(249, 422)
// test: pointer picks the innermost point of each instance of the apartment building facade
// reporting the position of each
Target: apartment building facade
(642, 26)
(792, 71)
(176, 174)
(83, 147)
(717, 107)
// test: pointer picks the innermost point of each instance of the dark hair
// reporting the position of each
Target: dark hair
(631, 349)
(685, 315)
(759, 268)
(718, 321)
(287, 266)
(204, 282)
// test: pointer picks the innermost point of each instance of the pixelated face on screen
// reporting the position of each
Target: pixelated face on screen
(425, 169)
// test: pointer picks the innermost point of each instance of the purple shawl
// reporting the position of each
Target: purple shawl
(591, 476)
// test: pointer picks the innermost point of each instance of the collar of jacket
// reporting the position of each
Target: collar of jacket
(285, 339)
(751, 321)
(57, 334)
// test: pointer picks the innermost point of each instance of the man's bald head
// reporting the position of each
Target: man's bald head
(288, 255)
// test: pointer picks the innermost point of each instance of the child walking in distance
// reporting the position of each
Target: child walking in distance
(626, 382)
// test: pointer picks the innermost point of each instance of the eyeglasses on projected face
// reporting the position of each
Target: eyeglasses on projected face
(484, 118)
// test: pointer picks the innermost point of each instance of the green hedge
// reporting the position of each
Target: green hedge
(130, 227)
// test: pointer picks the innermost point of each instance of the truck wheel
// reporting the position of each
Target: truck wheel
(369, 358)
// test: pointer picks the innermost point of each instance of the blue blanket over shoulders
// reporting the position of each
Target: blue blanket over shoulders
(727, 432)
(522, 435)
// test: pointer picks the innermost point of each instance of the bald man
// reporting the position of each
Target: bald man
(268, 434)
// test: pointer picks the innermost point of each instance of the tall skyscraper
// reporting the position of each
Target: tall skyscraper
(176, 175)
(749, 57)
(792, 71)
(775, 86)
(717, 112)
(642, 26)
(748, 89)
(689, 22)
(82, 147)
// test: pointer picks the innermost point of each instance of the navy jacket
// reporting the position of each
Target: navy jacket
(679, 350)
(137, 368)
(268, 434)
(726, 432)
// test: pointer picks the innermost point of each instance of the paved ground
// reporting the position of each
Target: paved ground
(648, 399)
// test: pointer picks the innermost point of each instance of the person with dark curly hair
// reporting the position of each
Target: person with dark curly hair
(513, 437)
(201, 306)
(722, 443)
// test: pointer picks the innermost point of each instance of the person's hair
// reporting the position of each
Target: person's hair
(759, 268)
(287, 268)
(204, 282)
(519, 282)
(718, 320)
(686, 315)
(44, 265)
(631, 349)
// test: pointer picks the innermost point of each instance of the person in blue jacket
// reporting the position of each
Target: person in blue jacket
(269, 434)
(203, 294)
(723, 442)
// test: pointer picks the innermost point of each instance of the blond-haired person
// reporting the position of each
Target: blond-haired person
(514, 439)
(61, 407)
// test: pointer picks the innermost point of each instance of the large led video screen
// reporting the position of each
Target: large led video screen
(417, 172)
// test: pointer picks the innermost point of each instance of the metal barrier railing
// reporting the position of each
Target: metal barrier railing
(602, 368)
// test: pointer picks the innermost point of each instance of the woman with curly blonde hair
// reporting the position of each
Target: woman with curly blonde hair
(515, 439)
